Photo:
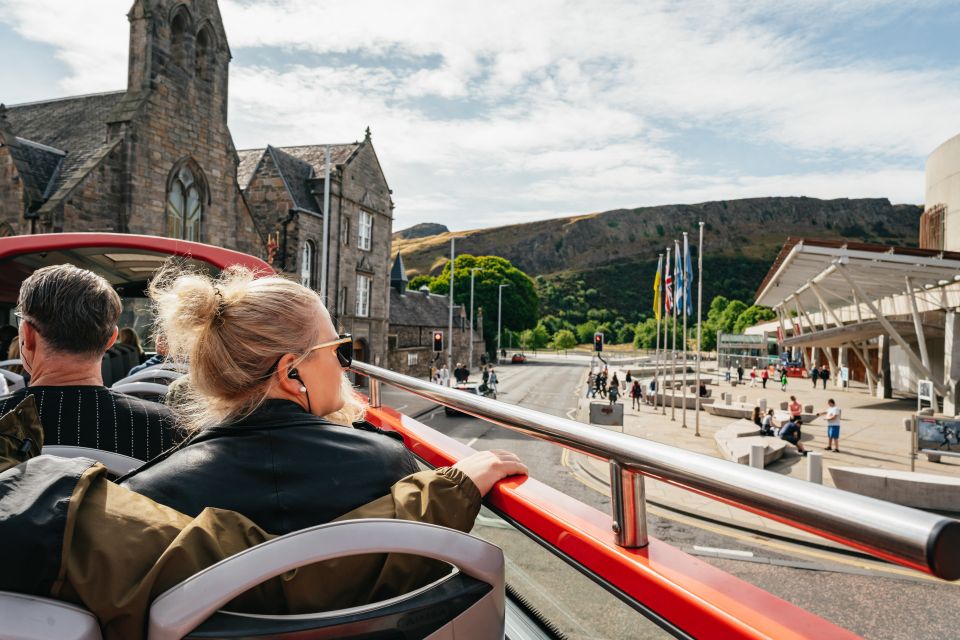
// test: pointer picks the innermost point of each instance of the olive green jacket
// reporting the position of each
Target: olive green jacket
(89, 541)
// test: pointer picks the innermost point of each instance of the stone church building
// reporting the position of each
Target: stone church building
(159, 159)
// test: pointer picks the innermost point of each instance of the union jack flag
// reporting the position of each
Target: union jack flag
(668, 286)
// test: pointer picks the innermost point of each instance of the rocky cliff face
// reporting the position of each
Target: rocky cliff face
(422, 230)
(613, 249)
(753, 228)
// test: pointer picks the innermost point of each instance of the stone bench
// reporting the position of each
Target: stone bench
(736, 440)
(933, 455)
(909, 488)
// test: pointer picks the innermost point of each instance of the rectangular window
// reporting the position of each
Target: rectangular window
(363, 296)
(365, 234)
(342, 303)
(345, 231)
(412, 358)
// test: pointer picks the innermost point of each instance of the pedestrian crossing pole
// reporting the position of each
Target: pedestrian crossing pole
(699, 319)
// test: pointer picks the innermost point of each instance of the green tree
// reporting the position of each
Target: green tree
(418, 281)
(728, 319)
(520, 303)
(625, 334)
(751, 316)
(564, 339)
(585, 332)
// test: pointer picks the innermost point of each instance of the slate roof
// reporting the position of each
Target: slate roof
(297, 165)
(76, 126)
(417, 309)
(37, 166)
(398, 274)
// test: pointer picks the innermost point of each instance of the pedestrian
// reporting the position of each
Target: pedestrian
(764, 376)
(739, 374)
(492, 382)
(636, 393)
(795, 408)
(814, 375)
(433, 373)
(753, 377)
(602, 383)
(614, 381)
(833, 425)
(614, 393)
(483, 359)
(461, 373)
(768, 423)
(791, 433)
(628, 379)
(825, 375)
(444, 375)
(757, 420)
(783, 379)
(591, 385)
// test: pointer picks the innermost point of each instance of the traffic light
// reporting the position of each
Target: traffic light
(438, 340)
(598, 341)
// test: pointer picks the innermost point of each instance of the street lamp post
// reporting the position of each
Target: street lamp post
(499, 314)
(473, 272)
(453, 240)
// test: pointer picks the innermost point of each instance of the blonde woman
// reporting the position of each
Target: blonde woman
(269, 405)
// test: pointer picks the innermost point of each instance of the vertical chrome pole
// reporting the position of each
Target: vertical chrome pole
(629, 503)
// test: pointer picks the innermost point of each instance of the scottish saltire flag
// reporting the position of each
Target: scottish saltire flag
(677, 277)
(668, 285)
(688, 276)
(656, 290)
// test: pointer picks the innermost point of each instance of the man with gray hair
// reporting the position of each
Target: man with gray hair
(67, 319)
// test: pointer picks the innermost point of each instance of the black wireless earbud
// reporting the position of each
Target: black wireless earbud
(293, 374)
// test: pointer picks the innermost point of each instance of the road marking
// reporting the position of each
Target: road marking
(474, 441)
(726, 552)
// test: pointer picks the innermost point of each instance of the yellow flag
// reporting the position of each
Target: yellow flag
(656, 290)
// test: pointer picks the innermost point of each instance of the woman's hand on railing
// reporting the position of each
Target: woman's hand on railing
(486, 468)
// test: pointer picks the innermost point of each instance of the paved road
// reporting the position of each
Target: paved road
(860, 595)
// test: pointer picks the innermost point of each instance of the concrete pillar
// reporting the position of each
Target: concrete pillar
(843, 355)
(884, 384)
(756, 455)
(762, 403)
(951, 363)
(815, 467)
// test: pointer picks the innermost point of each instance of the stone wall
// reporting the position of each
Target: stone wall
(12, 197)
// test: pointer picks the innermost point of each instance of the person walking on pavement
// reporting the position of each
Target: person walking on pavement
(591, 385)
(814, 375)
(825, 375)
(444, 375)
(614, 392)
(783, 379)
(833, 425)
(636, 393)
(753, 377)
(628, 378)
(614, 381)
(739, 374)
(764, 376)
(492, 382)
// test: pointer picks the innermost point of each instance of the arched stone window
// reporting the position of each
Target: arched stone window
(307, 276)
(186, 195)
(204, 55)
(179, 27)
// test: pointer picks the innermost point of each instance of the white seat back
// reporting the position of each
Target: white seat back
(153, 374)
(145, 390)
(14, 381)
(179, 610)
(24, 617)
(117, 463)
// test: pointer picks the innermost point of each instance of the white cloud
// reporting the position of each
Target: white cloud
(506, 109)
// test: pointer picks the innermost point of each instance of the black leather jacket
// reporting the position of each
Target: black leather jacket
(282, 467)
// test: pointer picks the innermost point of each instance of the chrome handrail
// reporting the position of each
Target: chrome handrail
(914, 538)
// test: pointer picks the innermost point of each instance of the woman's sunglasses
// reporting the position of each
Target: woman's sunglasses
(344, 345)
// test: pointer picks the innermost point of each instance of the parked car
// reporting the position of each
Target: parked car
(518, 358)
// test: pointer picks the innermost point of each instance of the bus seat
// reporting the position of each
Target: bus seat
(6, 364)
(15, 381)
(117, 370)
(32, 618)
(155, 375)
(467, 603)
(143, 390)
(116, 463)
(128, 355)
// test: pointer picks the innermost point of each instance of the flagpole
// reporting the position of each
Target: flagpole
(673, 353)
(685, 287)
(699, 319)
(656, 312)
(661, 388)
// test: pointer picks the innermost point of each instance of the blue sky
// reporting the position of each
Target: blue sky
(493, 112)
